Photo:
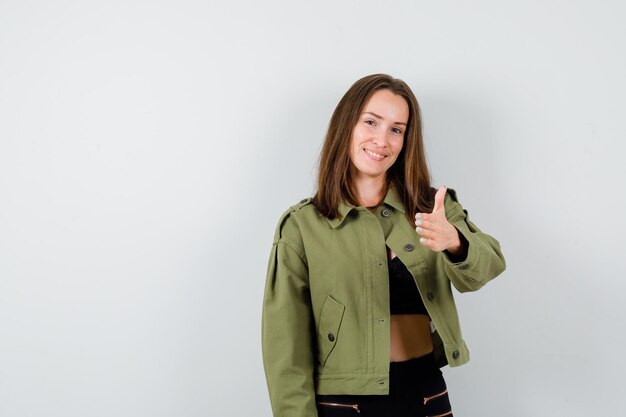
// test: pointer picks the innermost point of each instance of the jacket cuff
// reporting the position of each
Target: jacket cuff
(464, 266)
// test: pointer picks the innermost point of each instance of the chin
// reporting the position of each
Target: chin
(373, 173)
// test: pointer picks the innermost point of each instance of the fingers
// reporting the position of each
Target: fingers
(430, 240)
(428, 243)
(428, 223)
(430, 229)
(427, 234)
(427, 229)
(439, 199)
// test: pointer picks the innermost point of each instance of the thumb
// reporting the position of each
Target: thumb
(439, 197)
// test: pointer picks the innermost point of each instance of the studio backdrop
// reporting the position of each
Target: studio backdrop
(147, 150)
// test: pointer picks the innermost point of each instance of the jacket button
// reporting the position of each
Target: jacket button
(430, 295)
(384, 213)
(408, 247)
(464, 266)
(456, 354)
(331, 337)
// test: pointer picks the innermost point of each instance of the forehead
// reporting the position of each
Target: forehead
(388, 105)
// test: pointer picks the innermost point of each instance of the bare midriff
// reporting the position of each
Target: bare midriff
(409, 334)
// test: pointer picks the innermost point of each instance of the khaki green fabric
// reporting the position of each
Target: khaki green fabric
(325, 316)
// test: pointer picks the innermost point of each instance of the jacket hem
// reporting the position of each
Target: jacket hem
(359, 384)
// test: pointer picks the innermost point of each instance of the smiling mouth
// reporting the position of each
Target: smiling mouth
(374, 155)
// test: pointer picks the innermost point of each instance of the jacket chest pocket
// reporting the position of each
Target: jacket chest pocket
(328, 329)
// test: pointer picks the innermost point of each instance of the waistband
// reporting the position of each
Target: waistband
(404, 376)
(415, 366)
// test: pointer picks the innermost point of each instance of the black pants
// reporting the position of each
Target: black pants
(416, 389)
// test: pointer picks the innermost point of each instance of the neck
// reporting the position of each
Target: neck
(370, 191)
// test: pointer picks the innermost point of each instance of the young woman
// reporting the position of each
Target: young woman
(358, 311)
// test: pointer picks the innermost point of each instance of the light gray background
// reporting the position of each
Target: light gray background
(147, 150)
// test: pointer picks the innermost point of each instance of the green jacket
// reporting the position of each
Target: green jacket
(325, 317)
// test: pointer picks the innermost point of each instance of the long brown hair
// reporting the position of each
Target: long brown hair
(409, 173)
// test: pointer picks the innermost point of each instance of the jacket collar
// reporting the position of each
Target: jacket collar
(392, 199)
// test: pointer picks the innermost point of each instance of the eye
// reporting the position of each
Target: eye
(397, 130)
(370, 120)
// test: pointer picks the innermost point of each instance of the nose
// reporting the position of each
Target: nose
(380, 138)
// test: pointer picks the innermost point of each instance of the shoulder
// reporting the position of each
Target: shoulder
(451, 194)
(287, 227)
(295, 208)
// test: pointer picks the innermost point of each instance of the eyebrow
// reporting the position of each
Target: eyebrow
(380, 117)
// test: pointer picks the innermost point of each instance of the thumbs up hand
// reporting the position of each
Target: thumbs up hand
(437, 233)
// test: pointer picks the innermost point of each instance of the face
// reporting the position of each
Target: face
(379, 134)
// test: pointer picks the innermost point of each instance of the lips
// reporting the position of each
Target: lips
(374, 155)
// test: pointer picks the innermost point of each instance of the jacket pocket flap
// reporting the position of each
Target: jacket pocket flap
(328, 329)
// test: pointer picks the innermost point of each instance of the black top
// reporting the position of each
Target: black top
(404, 297)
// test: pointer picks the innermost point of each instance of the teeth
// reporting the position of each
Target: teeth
(374, 154)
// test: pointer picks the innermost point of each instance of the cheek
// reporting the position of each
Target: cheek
(400, 145)
(356, 137)
(357, 140)
(397, 147)
(397, 152)
(354, 150)
(353, 155)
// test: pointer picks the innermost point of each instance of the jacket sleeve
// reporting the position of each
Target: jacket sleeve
(288, 325)
(484, 259)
